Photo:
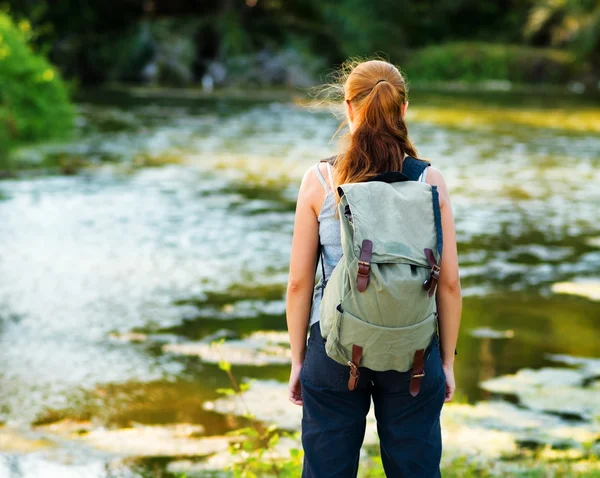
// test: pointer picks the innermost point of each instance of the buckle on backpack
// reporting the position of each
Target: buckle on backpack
(364, 268)
(364, 265)
(431, 282)
(357, 351)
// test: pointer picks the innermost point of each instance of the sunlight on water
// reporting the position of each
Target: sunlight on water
(175, 229)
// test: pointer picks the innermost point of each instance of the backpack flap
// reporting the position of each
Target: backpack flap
(397, 218)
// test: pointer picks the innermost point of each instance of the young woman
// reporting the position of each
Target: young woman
(334, 418)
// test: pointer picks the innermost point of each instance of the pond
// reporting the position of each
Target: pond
(167, 223)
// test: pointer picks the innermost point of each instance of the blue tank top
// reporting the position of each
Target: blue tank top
(329, 225)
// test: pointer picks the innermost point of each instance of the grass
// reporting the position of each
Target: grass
(480, 61)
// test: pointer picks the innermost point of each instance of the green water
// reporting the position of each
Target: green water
(176, 218)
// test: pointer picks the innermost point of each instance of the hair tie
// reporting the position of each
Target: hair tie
(379, 81)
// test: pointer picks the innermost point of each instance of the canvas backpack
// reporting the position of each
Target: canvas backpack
(378, 307)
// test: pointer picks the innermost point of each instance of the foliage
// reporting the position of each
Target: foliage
(253, 452)
(257, 459)
(487, 61)
(34, 104)
(178, 42)
(393, 26)
(574, 23)
(158, 51)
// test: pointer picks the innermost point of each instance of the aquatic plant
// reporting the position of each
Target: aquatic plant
(254, 455)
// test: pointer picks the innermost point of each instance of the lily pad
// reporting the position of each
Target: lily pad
(589, 289)
(13, 440)
(259, 348)
(552, 390)
(168, 440)
(590, 367)
(488, 333)
(523, 426)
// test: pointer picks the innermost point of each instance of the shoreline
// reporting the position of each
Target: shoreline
(574, 90)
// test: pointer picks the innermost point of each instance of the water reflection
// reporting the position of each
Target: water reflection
(176, 224)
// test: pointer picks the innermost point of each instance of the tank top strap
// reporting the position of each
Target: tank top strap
(329, 170)
(322, 179)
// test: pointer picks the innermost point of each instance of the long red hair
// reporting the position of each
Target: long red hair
(377, 92)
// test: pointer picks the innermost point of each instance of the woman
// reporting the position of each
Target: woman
(333, 423)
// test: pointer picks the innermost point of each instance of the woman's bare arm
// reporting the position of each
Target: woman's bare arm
(448, 296)
(303, 262)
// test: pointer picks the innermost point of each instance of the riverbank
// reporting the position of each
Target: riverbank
(304, 94)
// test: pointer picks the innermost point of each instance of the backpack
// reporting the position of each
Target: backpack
(378, 307)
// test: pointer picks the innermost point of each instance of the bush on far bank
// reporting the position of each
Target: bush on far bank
(475, 61)
(34, 104)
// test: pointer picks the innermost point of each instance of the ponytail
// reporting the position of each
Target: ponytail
(377, 93)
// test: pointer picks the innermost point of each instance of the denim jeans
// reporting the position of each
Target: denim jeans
(334, 418)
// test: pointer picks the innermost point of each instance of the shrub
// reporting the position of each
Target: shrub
(472, 62)
(34, 104)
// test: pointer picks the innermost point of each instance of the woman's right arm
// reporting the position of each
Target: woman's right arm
(448, 295)
(301, 281)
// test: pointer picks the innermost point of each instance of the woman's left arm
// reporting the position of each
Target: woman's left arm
(301, 281)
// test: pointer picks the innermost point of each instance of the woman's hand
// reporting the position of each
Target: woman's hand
(295, 389)
(450, 384)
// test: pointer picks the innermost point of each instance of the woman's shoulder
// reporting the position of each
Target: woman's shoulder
(311, 174)
(315, 186)
(434, 175)
(436, 178)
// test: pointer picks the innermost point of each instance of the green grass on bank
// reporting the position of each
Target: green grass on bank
(478, 61)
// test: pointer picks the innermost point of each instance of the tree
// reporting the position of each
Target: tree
(573, 23)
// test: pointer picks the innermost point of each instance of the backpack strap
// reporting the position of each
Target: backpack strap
(414, 168)
(357, 352)
(417, 372)
(437, 216)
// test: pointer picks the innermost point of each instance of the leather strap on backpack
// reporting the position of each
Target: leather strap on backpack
(364, 265)
(357, 351)
(431, 282)
(418, 372)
